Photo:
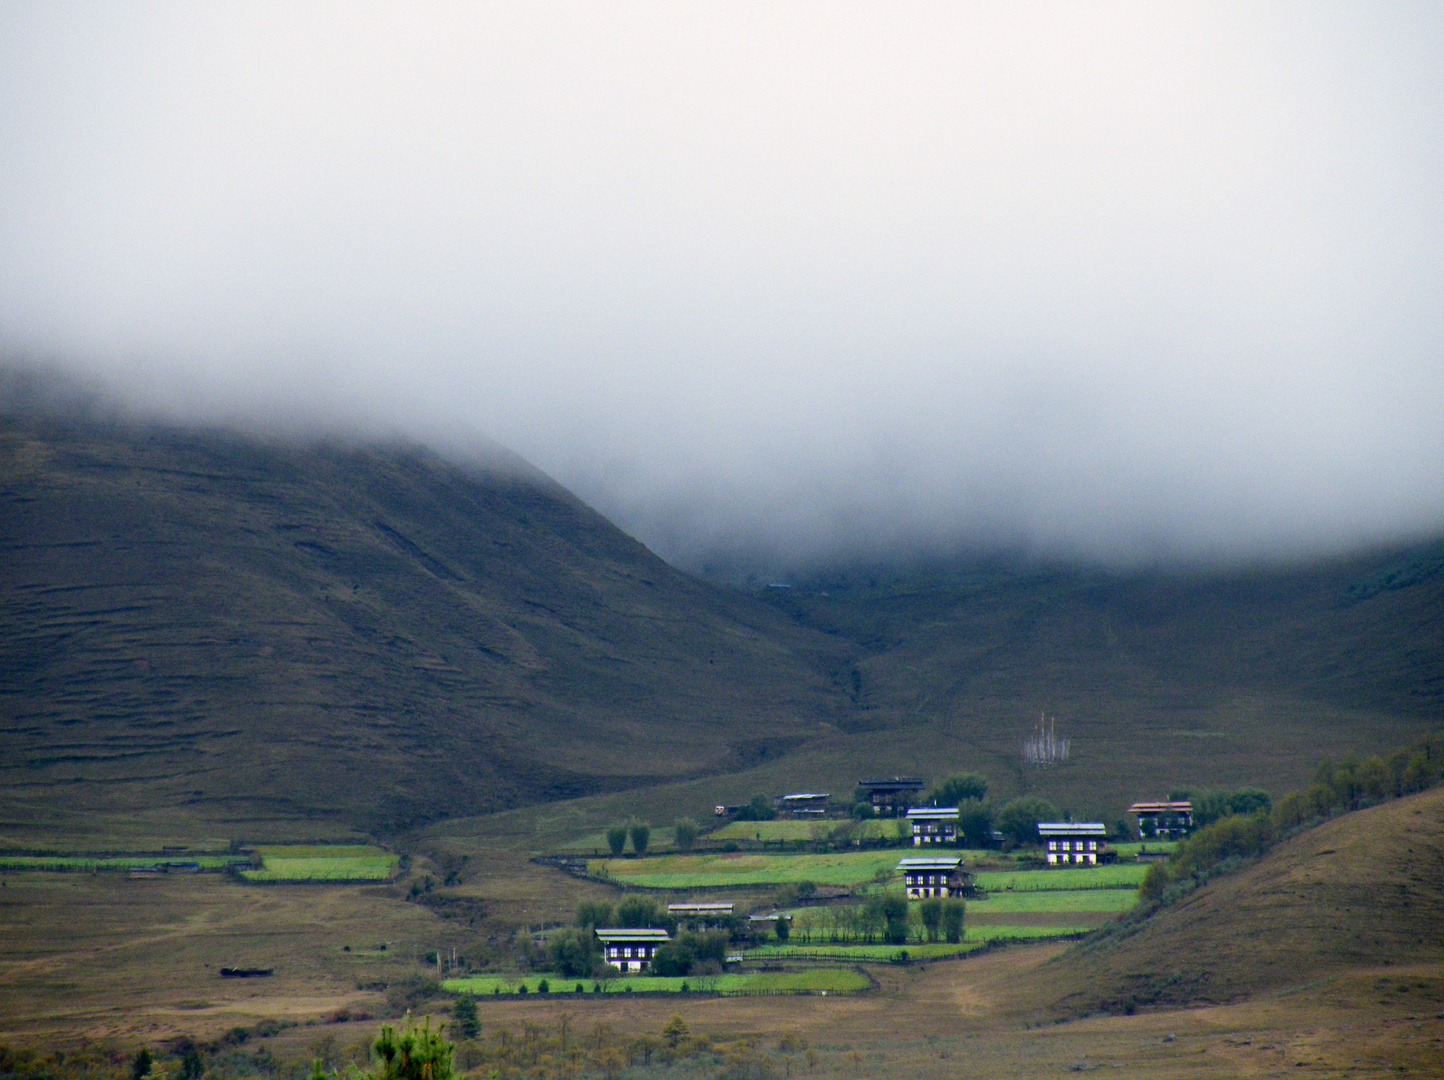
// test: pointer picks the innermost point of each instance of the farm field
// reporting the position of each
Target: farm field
(1044, 901)
(772, 831)
(112, 863)
(322, 863)
(702, 871)
(829, 980)
(1119, 876)
(1130, 849)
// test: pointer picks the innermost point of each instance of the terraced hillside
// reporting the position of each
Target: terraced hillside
(1363, 891)
(260, 631)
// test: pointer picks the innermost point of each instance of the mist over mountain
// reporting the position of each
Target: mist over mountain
(772, 286)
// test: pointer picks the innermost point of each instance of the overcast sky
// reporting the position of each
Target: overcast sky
(798, 280)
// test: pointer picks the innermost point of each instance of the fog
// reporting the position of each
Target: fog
(778, 283)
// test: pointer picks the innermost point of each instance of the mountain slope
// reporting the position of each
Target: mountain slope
(367, 634)
(1363, 890)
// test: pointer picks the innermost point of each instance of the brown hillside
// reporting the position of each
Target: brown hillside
(1366, 889)
(365, 634)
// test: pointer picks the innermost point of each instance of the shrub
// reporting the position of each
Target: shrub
(637, 912)
(463, 1017)
(975, 823)
(573, 952)
(953, 917)
(416, 1053)
(862, 811)
(641, 834)
(1018, 820)
(931, 914)
(544, 987)
(783, 928)
(593, 913)
(959, 787)
(617, 839)
(684, 834)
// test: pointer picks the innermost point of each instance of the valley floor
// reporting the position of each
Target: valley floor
(104, 957)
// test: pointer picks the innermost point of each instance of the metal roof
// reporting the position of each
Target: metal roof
(1072, 828)
(943, 862)
(624, 933)
(933, 813)
(808, 795)
(724, 907)
(1161, 808)
(896, 781)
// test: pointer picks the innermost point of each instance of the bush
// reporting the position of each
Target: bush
(637, 912)
(783, 928)
(689, 952)
(416, 1053)
(958, 788)
(862, 811)
(975, 823)
(594, 913)
(1018, 820)
(759, 809)
(684, 834)
(953, 917)
(573, 952)
(617, 839)
(1216, 805)
(641, 834)
(930, 912)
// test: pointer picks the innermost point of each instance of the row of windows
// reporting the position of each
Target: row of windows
(1062, 845)
(641, 950)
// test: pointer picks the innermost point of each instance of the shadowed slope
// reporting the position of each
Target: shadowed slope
(362, 633)
(1365, 889)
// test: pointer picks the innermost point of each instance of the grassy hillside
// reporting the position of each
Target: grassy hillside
(1365, 890)
(209, 635)
(248, 631)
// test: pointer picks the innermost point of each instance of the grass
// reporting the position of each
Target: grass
(1130, 849)
(872, 953)
(1042, 901)
(830, 980)
(694, 871)
(63, 863)
(1117, 876)
(772, 831)
(322, 863)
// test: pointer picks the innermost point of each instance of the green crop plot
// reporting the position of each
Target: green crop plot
(322, 863)
(1130, 850)
(700, 871)
(933, 950)
(828, 980)
(1046, 901)
(1118, 876)
(110, 863)
(773, 831)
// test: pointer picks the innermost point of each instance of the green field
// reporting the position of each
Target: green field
(1119, 876)
(772, 831)
(821, 980)
(114, 862)
(1045, 901)
(699, 871)
(863, 953)
(1130, 849)
(322, 863)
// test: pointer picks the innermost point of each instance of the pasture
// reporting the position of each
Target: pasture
(1117, 876)
(744, 868)
(114, 863)
(821, 980)
(295, 862)
(1049, 901)
(801, 830)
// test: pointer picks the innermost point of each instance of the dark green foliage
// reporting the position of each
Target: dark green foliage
(641, 834)
(783, 928)
(594, 913)
(1215, 805)
(544, 987)
(930, 912)
(414, 1053)
(1018, 820)
(141, 1065)
(954, 914)
(684, 834)
(958, 787)
(572, 952)
(687, 952)
(863, 810)
(638, 912)
(759, 809)
(975, 824)
(463, 1017)
(617, 839)
(1338, 787)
